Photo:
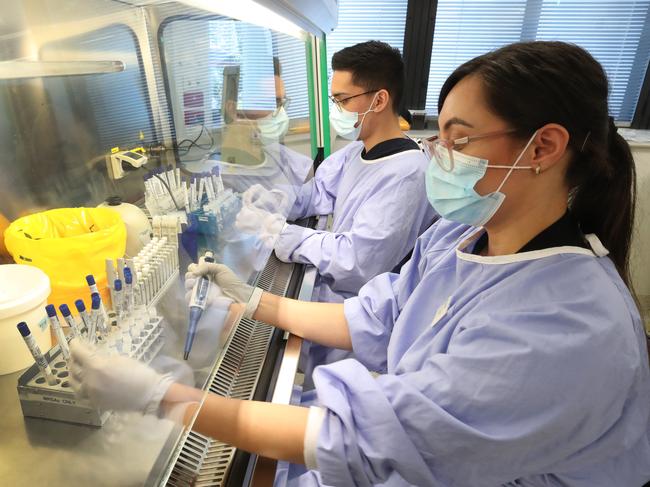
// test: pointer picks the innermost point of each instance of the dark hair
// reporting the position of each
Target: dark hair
(530, 84)
(277, 68)
(374, 65)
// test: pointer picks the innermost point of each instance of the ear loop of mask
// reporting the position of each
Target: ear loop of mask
(512, 168)
(359, 123)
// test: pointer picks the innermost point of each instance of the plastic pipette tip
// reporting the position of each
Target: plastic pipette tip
(50, 310)
(79, 304)
(23, 328)
(65, 311)
(186, 355)
(90, 279)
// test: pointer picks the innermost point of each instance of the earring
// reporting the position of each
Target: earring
(538, 170)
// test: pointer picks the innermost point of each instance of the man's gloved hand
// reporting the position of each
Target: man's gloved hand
(116, 383)
(271, 201)
(227, 285)
(254, 221)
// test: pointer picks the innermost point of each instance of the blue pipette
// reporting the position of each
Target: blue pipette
(197, 305)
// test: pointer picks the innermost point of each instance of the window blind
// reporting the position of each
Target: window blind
(615, 32)
(364, 20)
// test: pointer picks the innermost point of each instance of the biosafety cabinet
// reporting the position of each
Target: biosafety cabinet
(178, 108)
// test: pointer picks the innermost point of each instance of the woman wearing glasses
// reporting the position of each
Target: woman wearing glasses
(513, 353)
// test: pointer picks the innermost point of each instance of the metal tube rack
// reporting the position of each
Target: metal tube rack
(58, 402)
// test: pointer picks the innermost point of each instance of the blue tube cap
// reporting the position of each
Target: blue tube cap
(117, 285)
(128, 277)
(23, 328)
(50, 310)
(96, 300)
(90, 279)
(79, 304)
(65, 311)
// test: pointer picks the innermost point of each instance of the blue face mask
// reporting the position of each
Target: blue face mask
(451, 193)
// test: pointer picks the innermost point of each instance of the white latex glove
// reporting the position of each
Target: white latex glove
(228, 284)
(116, 383)
(254, 221)
(215, 298)
(272, 201)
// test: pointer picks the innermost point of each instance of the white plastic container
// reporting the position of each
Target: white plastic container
(23, 295)
(138, 228)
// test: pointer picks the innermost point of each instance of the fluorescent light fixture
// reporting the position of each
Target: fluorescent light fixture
(35, 69)
(251, 12)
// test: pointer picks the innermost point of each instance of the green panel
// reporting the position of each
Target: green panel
(322, 93)
(324, 96)
(312, 100)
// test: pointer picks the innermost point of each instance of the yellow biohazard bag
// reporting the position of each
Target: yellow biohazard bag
(68, 244)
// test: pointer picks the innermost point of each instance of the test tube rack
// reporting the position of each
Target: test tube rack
(59, 402)
(156, 267)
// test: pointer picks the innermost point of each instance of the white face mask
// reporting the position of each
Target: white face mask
(274, 126)
(346, 123)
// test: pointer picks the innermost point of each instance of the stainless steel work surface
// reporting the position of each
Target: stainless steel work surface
(37, 451)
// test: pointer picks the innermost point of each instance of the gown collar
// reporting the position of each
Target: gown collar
(556, 239)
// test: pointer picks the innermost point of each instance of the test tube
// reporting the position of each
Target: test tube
(127, 343)
(101, 323)
(130, 263)
(85, 319)
(217, 171)
(144, 290)
(110, 271)
(120, 269)
(147, 279)
(90, 279)
(92, 321)
(67, 316)
(117, 298)
(58, 331)
(129, 302)
(36, 353)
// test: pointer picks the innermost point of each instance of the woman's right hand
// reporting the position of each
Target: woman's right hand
(226, 286)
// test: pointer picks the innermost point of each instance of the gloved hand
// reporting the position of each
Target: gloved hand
(271, 201)
(215, 299)
(227, 284)
(116, 383)
(254, 221)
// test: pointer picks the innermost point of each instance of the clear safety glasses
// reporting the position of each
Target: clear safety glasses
(438, 148)
(340, 104)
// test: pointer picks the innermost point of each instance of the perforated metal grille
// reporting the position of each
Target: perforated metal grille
(203, 461)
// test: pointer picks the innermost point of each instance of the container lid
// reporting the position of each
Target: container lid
(114, 201)
(22, 287)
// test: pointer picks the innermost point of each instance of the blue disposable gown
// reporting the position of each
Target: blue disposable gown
(379, 209)
(529, 369)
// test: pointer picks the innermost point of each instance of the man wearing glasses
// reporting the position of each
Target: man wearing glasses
(374, 186)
